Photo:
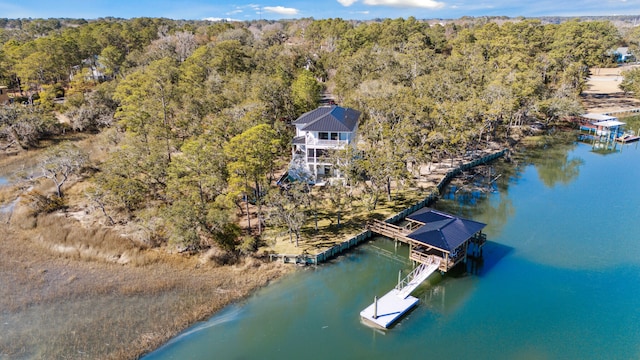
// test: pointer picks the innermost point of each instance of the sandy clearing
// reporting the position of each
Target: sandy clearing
(603, 93)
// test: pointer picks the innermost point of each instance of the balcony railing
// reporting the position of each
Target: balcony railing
(318, 160)
(331, 143)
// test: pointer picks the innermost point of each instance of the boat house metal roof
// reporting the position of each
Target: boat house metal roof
(608, 123)
(441, 230)
(594, 117)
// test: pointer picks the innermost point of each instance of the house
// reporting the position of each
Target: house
(4, 95)
(623, 55)
(318, 132)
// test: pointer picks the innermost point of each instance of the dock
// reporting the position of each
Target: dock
(627, 138)
(385, 311)
(437, 242)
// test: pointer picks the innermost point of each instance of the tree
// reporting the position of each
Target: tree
(61, 162)
(631, 82)
(197, 208)
(286, 208)
(306, 92)
(24, 126)
(95, 111)
(251, 159)
(121, 182)
(148, 104)
(111, 58)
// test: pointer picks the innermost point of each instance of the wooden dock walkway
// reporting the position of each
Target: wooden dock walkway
(389, 230)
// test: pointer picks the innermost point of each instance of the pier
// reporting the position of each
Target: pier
(438, 242)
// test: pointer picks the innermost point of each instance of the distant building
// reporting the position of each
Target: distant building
(318, 132)
(623, 55)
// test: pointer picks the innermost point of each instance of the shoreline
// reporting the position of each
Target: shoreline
(353, 241)
(51, 281)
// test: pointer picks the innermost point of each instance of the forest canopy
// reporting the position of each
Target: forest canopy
(199, 113)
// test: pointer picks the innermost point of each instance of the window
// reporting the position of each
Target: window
(334, 136)
(322, 153)
(323, 136)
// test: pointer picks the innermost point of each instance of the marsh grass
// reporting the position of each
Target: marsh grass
(83, 305)
(69, 237)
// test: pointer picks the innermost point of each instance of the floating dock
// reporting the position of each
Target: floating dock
(394, 304)
(390, 308)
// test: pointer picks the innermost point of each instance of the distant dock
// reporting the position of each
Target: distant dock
(627, 138)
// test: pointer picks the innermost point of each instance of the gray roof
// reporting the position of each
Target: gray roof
(329, 118)
(597, 117)
(441, 230)
(299, 140)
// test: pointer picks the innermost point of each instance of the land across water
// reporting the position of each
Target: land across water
(558, 281)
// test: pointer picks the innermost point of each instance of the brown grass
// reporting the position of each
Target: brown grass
(85, 305)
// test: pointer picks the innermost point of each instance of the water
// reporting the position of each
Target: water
(3, 181)
(560, 280)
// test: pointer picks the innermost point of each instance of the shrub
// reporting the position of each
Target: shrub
(42, 204)
(248, 244)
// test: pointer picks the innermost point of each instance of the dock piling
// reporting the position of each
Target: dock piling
(375, 307)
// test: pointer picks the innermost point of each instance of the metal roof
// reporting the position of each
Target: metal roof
(598, 117)
(329, 118)
(441, 230)
(609, 123)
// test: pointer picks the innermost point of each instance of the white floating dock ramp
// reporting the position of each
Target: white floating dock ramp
(390, 307)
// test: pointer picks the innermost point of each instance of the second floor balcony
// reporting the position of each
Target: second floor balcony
(327, 143)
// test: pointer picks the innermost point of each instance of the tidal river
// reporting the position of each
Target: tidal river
(560, 278)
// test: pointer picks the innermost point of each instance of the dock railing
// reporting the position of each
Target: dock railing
(422, 257)
(388, 229)
(417, 276)
(412, 275)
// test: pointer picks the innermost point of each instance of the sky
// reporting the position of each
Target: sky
(317, 9)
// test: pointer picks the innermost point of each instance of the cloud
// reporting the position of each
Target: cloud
(281, 10)
(347, 2)
(427, 4)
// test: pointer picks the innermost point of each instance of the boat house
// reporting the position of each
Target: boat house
(436, 236)
(437, 241)
(444, 236)
(601, 125)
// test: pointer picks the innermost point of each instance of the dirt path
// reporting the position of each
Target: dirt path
(603, 93)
